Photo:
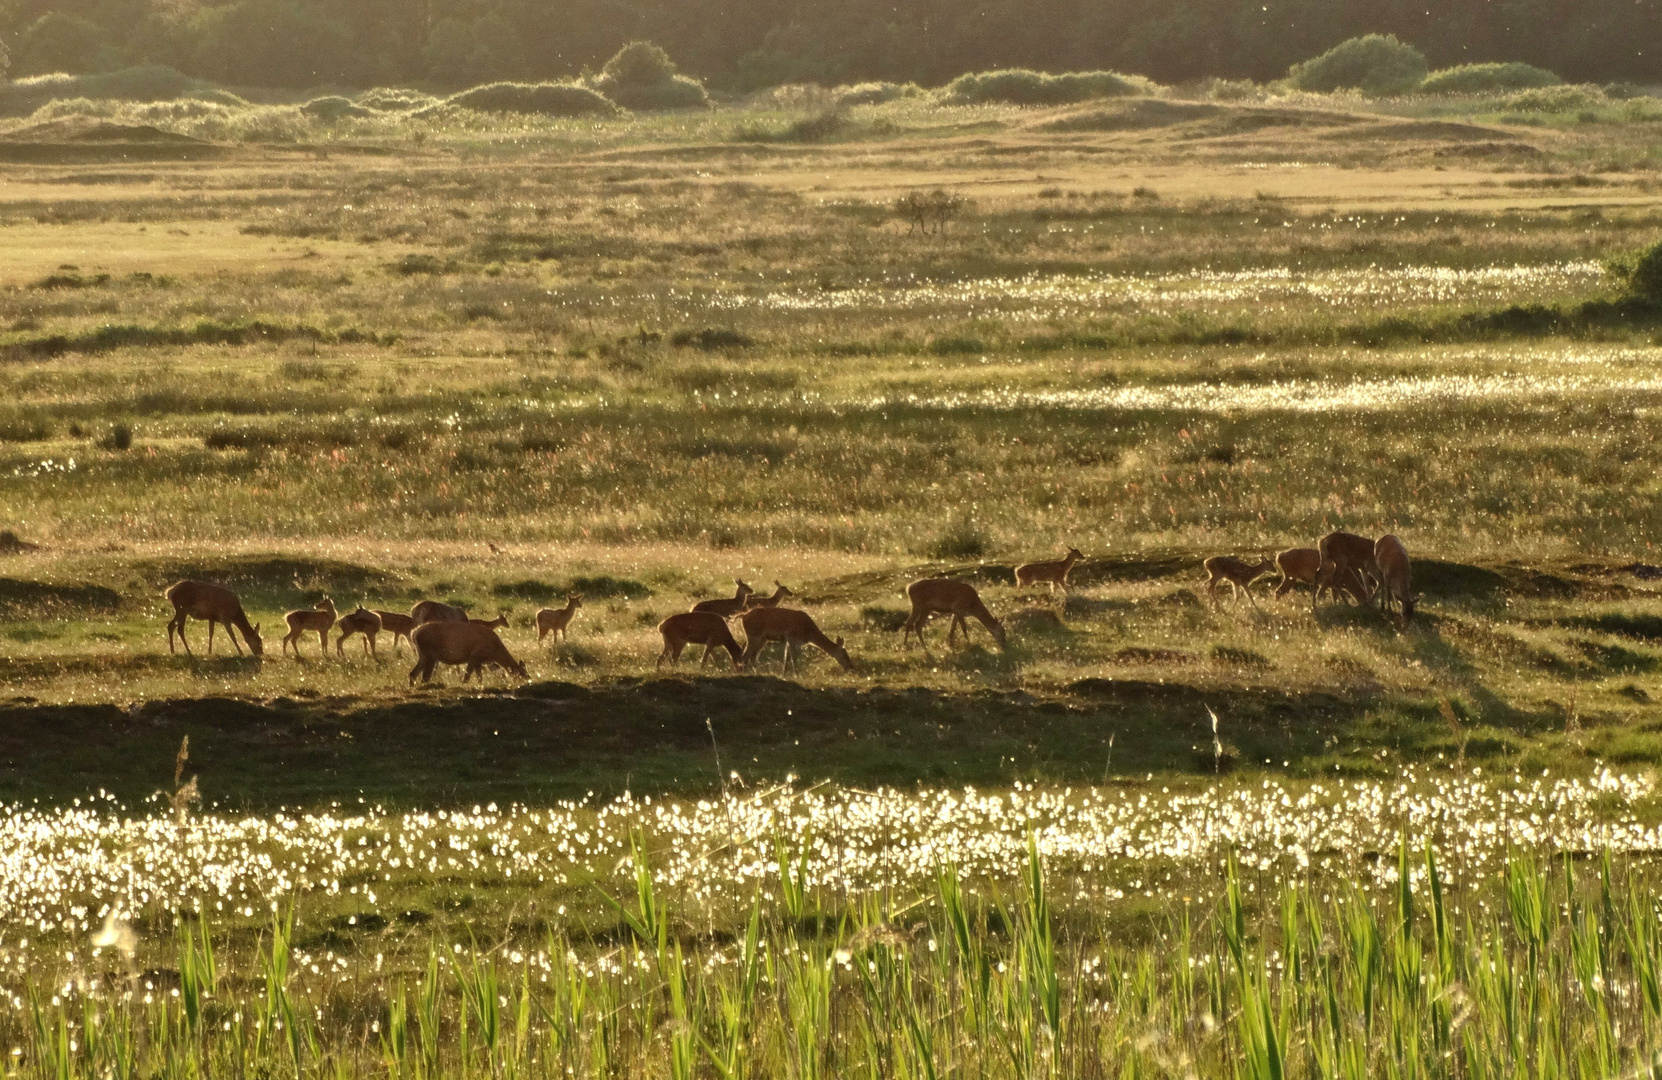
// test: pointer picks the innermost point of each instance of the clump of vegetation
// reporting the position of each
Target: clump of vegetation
(711, 339)
(1488, 78)
(153, 82)
(395, 99)
(1373, 64)
(642, 76)
(538, 99)
(875, 93)
(961, 540)
(1640, 273)
(120, 437)
(1020, 86)
(334, 107)
(1556, 99)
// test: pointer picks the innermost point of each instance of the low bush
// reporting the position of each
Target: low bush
(1556, 99)
(875, 93)
(1640, 273)
(1374, 64)
(641, 76)
(960, 541)
(1020, 86)
(1488, 78)
(151, 83)
(333, 108)
(395, 99)
(538, 99)
(711, 339)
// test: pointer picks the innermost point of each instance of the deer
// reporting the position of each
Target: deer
(795, 628)
(1395, 575)
(1053, 573)
(472, 643)
(729, 606)
(306, 620)
(1300, 564)
(397, 624)
(1340, 551)
(362, 622)
(498, 623)
(426, 611)
(1240, 576)
(704, 628)
(943, 596)
(754, 601)
(556, 620)
(216, 604)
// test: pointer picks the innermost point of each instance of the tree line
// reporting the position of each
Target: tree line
(745, 44)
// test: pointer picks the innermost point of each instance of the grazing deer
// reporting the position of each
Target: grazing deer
(362, 622)
(216, 604)
(556, 620)
(1396, 581)
(427, 611)
(704, 628)
(306, 620)
(728, 607)
(470, 643)
(794, 628)
(942, 596)
(779, 593)
(1240, 576)
(1054, 572)
(498, 623)
(1341, 550)
(397, 624)
(1300, 564)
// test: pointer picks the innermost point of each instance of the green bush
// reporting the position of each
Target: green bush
(875, 93)
(1556, 99)
(1488, 78)
(395, 99)
(151, 83)
(1019, 86)
(333, 108)
(539, 99)
(1640, 273)
(1374, 64)
(642, 76)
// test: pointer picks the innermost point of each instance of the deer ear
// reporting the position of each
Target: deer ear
(839, 643)
(256, 628)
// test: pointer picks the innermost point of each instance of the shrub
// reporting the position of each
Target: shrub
(642, 76)
(333, 108)
(1488, 78)
(153, 83)
(1640, 274)
(962, 540)
(1625, 91)
(1232, 90)
(875, 93)
(395, 99)
(1019, 86)
(540, 99)
(216, 96)
(1556, 99)
(119, 438)
(1374, 64)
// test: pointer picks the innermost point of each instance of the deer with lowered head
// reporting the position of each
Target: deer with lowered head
(727, 607)
(1240, 576)
(756, 601)
(943, 596)
(1339, 551)
(1396, 582)
(426, 611)
(362, 622)
(472, 643)
(1054, 572)
(704, 628)
(556, 620)
(1300, 565)
(308, 620)
(795, 628)
(214, 604)
(397, 624)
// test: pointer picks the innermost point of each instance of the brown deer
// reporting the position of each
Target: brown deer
(704, 628)
(556, 620)
(470, 643)
(943, 596)
(216, 604)
(426, 611)
(306, 620)
(498, 623)
(727, 607)
(1300, 565)
(1340, 550)
(1054, 572)
(794, 628)
(1240, 576)
(362, 622)
(779, 593)
(1396, 580)
(397, 624)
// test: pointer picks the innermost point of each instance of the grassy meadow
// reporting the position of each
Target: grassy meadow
(496, 361)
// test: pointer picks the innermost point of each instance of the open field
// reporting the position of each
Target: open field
(639, 358)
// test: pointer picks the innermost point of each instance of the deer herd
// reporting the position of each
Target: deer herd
(444, 634)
